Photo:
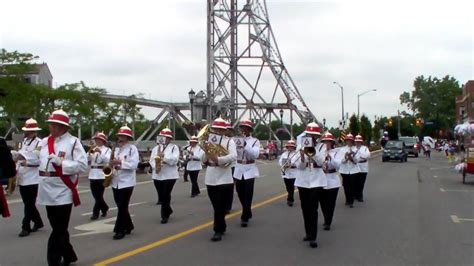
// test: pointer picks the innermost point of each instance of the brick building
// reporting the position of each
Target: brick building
(465, 108)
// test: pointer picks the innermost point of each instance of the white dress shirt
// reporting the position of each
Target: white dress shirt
(249, 152)
(363, 159)
(169, 167)
(311, 175)
(333, 179)
(290, 172)
(99, 159)
(195, 154)
(222, 173)
(125, 174)
(28, 171)
(52, 190)
(348, 167)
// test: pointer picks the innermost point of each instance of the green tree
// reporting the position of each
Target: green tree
(354, 127)
(433, 99)
(365, 128)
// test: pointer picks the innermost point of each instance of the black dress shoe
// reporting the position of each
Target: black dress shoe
(326, 227)
(118, 236)
(36, 227)
(66, 262)
(158, 203)
(193, 195)
(351, 205)
(306, 238)
(94, 217)
(216, 237)
(244, 223)
(24, 233)
(164, 220)
(104, 213)
(313, 244)
(289, 203)
(128, 231)
(360, 200)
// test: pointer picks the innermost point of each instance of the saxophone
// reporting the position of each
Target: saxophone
(158, 160)
(108, 170)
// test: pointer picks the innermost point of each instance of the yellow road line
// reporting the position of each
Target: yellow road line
(177, 236)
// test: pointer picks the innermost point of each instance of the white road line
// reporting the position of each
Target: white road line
(457, 220)
(442, 190)
(435, 176)
(114, 208)
(456, 190)
(441, 168)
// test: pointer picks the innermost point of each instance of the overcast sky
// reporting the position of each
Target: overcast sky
(158, 48)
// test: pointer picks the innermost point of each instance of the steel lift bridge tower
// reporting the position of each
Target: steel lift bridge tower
(246, 76)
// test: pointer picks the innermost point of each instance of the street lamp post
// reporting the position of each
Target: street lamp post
(358, 100)
(342, 100)
(281, 126)
(324, 124)
(192, 96)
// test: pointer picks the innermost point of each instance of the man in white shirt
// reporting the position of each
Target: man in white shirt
(62, 159)
(27, 160)
(288, 160)
(349, 169)
(124, 179)
(193, 167)
(218, 177)
(362, 156)
(165, 177)
(99, 157)
(248, 150)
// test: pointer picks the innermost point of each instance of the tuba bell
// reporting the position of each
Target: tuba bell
(210, 148)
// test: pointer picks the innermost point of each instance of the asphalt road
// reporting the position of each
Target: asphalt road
(415, 213)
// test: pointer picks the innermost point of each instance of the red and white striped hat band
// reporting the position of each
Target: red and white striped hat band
(313, 128)
(31, 125)
(246, 123)
(349, 137)
(100, 135)
(194, 139)
(166, 132)
(219, 123)
(290, 143)
(328, 137)
(359, 138)
(59, 117)
(229, 125)
(125, 131)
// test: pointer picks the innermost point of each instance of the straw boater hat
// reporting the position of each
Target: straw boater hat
(101, 136)
(59, 117)
(31, 125)
(229, 125)
(246, 123)
(291, 143)
(219, 123)
(359, 138)
(166, 132)
(194, 139)
(328, 137)
(313, 129)
(125, 131)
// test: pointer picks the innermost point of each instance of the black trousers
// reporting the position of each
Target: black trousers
(359, 185)
(59, 245)
(122, 199)
(220, 197)
(290, 188)
(309, 205)
(245, 193)
(185, 174)
(193, 175)
(348, 182)
(97, 189)
(28, 195)
(164, 188)
(327, 200)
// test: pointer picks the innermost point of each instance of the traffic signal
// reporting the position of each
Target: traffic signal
(418, 121)
(390, 122)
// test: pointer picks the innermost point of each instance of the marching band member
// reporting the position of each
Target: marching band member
(98, 156)
(125, 162)
(246, 170)
(310, 182)
(28, 177)
(230, 133)
(7, 171)
(62, 159)
(288, 165)
(194, 165)
(218, 179)
(349, 169)
(165, 175)
(362, 157)
(329, 193)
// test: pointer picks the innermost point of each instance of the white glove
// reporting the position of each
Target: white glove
(53, 158)
(14, 154)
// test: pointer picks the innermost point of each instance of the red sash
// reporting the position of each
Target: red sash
(66, 180)
(3, 204)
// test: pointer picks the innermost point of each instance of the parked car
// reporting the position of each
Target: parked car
(395, 150)
(411, 145)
